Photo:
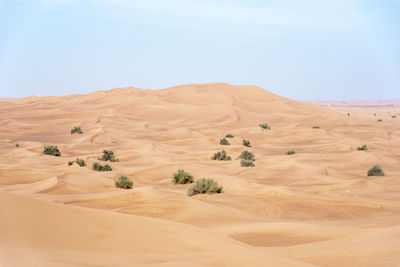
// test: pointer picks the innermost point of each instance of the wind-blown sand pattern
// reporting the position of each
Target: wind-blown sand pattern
(315, 208)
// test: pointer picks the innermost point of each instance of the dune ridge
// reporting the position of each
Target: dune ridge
(314, 208)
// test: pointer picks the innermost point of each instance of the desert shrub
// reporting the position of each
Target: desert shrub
(246, 163)
(380, 120)
(76, 129)
(246, 142)
(290, 152)
(204, 186)
(376, 170)
(394, 116)
(265, 126)
(246, 155)
(51, 150)
(101, 168)
(124, 182)
(348, 114)
(80, 162)
(315, 127)
(17, 145)
(221, 155)
(229, 136)
(182, 177)
(70, 162)
(108, 155)
(224, 142)
(364, 147)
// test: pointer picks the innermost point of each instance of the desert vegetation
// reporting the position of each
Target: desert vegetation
(246, 142)
(123, 182)
(229, 135)
(16, 145)
(224, 142)
(246, 159)
(182, 177)
(316, 127)
(265, 126)
(291, 152)
(51, 150)
(221, 155)
(77, 130)
(363, 147)
(204, 186)
(101, 168)
(78, 161)
(376, 170)
(108, 155)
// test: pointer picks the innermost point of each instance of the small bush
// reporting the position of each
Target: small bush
(246, 155)
(376, 170)
(380, 120)
(98, 167)
(17, 145)
(204, 186)
(364, 147)
(394, 116)
(80, 162)
(182, 177)
(76, 129)
(224, 142)
(124, 182)
(315, 127)
(229, 136)
(265, 126)
(51, 150)
(246, 143)
(291, 152)
(108, 155)
(221, 155)
(70, 162)
(348, 114)
(246, 163)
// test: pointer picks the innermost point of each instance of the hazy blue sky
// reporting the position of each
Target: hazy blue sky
(306, 50)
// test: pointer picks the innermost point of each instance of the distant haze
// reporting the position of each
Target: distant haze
(305, 50)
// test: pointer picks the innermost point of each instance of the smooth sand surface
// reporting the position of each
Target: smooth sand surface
(315, 208)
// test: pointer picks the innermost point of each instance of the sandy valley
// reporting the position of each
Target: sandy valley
(317, 207)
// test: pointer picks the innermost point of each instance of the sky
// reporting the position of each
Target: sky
(307, 50)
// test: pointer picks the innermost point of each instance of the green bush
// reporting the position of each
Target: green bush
(204, 186)
(364, 147)
(376, 170)
(380, 120)
(98, 167)
(229, 136)
(80, 162)
(265, 126)
(290, 152)
(246, 163)
(76, 129)
(17, 145)
(224, 141)
(124, 182)
(51, 150)
(221, 155)
(247, 155)
(394, 116)
(70, 162)
(246, 143)
(182, 177)
(108, 155)
(315, 127)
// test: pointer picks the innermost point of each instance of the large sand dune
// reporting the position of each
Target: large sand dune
(315, 208)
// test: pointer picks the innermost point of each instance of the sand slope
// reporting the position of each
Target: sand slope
(316, 207)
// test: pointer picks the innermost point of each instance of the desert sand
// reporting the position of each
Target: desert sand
(317, 207)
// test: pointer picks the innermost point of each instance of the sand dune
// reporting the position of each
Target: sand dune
(315, 208)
